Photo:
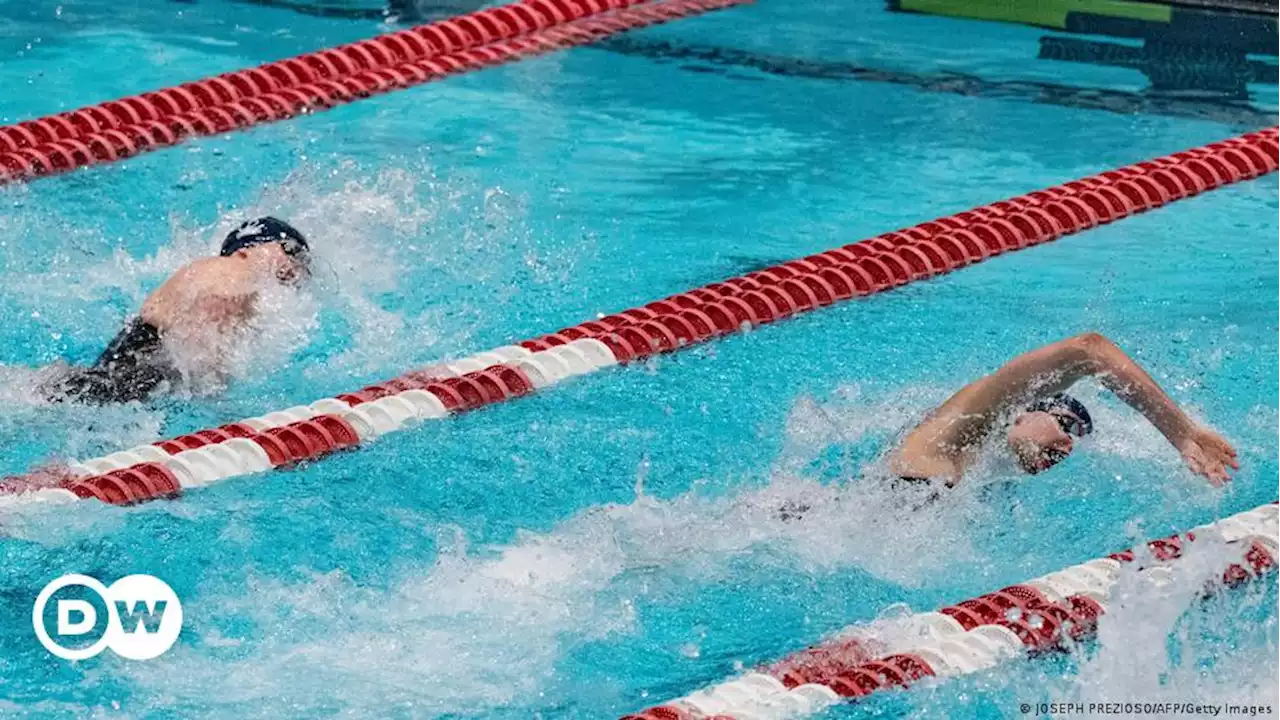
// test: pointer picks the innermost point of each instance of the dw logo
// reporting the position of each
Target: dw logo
(142, 617)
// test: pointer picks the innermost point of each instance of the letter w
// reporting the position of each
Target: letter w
(140, 614)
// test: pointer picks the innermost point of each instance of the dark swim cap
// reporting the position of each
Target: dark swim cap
(266, 230)
(1063, 401)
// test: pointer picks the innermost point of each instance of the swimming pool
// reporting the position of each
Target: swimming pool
(600, 547)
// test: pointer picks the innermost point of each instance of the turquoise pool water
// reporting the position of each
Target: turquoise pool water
(612, 542)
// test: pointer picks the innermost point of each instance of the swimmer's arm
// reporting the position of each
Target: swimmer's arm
(197, 321)
(205, 337)
(1204, 451)
(1056, 367)
(971, 414)
(1128, 381)
(967, 417)
(226, 311)
(204, 293)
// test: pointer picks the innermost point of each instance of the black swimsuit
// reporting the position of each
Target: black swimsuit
(902, 483)
(792, 510)
(131, 368)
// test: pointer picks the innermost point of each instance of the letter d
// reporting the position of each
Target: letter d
(88, 617)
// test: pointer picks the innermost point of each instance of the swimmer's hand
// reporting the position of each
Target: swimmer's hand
(1208, 454)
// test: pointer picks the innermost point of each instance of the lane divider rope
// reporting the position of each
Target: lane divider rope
(1044, 614)
(451, 35)
(306, 432)
(123, 128)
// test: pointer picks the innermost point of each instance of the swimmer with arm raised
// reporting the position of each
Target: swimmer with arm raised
(1025, 399)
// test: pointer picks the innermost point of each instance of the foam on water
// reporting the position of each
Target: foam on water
(587, 182)
(402, 228)
(484, 628)
(1162, 640)
(370, 238)
(54, 520)
(358, 232)
(472, 632)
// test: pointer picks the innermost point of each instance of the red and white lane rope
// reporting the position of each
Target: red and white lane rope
(306, 432)
(452, 35)
(315, 81)
(974, 635)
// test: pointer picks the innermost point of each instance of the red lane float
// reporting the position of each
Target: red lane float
(233, 91)
(142, 482)
(922, 251)
(317, 81)
(717, 309)
(276, 447)
(1040, 615)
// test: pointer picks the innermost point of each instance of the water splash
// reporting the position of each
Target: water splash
(370, 238)
(486, 627)
(1163, 640)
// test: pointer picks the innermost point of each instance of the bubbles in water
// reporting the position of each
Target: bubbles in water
(471, 633)
(362, 235)
(371, 237)
(1162, 640)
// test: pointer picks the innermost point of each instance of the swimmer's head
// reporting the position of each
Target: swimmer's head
(1043, 434)
(274, 242)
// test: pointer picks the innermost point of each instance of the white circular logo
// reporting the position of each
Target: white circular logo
(143, 617)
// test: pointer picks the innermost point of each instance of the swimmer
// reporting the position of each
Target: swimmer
(1026, 401)
(199, 311)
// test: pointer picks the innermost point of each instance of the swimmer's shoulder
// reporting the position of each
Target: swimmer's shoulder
(196, 285)
(219, 276)
(921, 465)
